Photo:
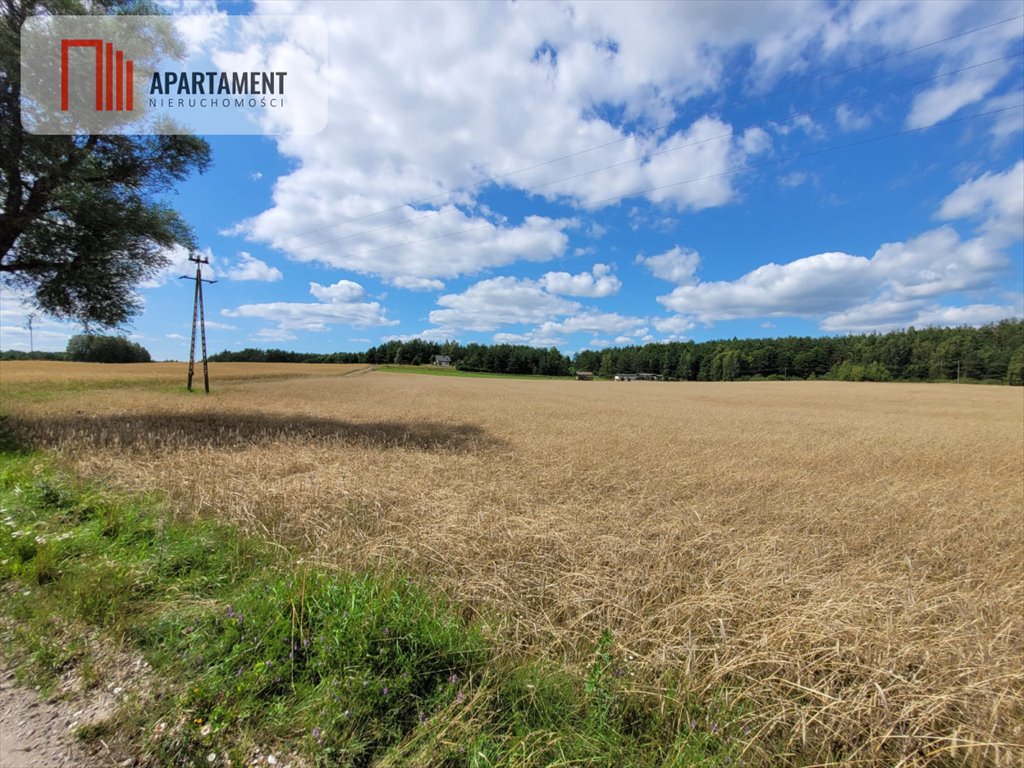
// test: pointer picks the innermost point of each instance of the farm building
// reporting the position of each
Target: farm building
(584, 376)
(444, 360)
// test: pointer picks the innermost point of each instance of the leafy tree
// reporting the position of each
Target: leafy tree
(91, 348)
(80, 227)
(1015, 372)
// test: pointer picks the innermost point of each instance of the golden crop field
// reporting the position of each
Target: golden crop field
(845, 559)
(47, 373)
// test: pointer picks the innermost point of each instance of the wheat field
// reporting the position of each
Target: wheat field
(844, 562)
(46, 373)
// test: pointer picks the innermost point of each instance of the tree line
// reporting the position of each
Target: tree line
(89, 348)
(992, 353)
(484, 358)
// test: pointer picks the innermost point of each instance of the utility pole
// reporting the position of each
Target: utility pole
(31, 338)
(198, 319)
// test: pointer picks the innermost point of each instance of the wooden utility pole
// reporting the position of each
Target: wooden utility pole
(198, 320)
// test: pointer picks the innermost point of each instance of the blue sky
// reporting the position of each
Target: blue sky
(658, 172)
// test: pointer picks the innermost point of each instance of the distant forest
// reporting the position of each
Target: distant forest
(993, 353)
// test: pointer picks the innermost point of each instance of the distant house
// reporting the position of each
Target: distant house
(440, 360)
(584, 376)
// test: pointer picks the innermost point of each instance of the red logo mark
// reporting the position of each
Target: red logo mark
(119, 81)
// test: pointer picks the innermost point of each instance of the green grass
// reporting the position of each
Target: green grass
(435, 370)
(254, 649)
(38, 392)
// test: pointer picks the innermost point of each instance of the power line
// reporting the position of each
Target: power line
(649, 155)
(730, 172)
(656, 129)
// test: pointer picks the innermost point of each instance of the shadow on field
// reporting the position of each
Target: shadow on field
(163, 431)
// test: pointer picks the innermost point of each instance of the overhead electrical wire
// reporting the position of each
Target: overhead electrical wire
(656, 129)
(648, 155)
(730, 172)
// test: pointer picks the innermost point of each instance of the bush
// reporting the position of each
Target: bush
(89, 348)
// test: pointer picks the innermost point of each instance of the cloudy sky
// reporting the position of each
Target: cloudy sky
(592, 174)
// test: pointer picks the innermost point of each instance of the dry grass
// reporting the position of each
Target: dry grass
(49, 373)
(847, 558)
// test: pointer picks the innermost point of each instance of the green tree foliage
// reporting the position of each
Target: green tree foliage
(80, 226)
(992, 353)
(1015, 369)
(498, 358)
(16, 354)
(91, 348)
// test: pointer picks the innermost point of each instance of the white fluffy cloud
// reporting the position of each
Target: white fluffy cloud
(849, 120)
(907, 25)
(250, 268)
(901, 284)
(275, 335)
(413, 256)
(589, 321)
(998, 198)
(596, 85)
(935, 263)
(677, 265)
(344, 291)
(597, 283)
(943, 101)
(888, 315)
(901, 281)
(411, 283)
(409, 122)
(489, 304)
(592, 321)
(807, 286)
(674, 326)
(341, 304)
